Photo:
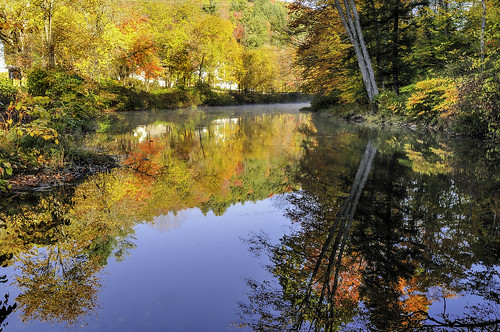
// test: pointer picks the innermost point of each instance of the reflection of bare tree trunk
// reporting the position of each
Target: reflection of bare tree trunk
(340, 227)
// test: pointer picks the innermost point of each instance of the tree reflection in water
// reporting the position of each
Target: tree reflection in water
(60, 242)
(412, 246)
(59, 285)
(320, 287)
(57, 258)
(6, 308)
(382, 240)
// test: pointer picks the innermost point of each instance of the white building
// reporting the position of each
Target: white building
(3, 66)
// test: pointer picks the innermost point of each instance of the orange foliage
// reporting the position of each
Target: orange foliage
(141, 159)
(414, 302)
(142, 56)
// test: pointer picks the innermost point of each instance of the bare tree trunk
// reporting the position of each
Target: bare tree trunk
(3, 66)
(350, 19)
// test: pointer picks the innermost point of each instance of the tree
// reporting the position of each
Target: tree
(322, 51)
(260, 70)
(46, 9)
(322, 44)
(212, 46)
(389, 29)
(350, 20)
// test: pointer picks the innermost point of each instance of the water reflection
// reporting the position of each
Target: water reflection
(60, 243)
(391, 230)
(423, 237)
(6, 307)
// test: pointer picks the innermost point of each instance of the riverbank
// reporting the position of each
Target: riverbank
(378, 115)
(45, 119)
(362, 114)
(118, 97)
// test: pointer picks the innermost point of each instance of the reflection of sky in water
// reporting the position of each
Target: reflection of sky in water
(188, 270)
(458, 303)
(454, 308)
(187, 279)
(150, 131)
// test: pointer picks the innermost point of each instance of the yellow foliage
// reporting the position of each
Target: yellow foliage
(431, 99)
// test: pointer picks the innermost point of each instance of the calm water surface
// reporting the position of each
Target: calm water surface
(259, 218)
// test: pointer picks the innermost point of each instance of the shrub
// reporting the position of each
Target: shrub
(220, 99)
(431, 99)
(5, 171)
(72, 102)
(324, 101)
(477, 110)
(389, 102)
(53, 83)
(7, 92)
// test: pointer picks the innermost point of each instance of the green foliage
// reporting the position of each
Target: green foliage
(7, 92)
(38, 128)
(321, 101)
(390, 103)
(477, 111)
(73, 104)
(264, 23)
(420, 53)
(220, 99)
(443, 36)
(5, 171)
(54, 83)
(389, 44)
(211, 8)
(243, 98)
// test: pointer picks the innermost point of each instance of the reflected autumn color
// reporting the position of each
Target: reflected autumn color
(387, 227)
(414, 243)
(60, 242)
(59, 285)
(210, 168)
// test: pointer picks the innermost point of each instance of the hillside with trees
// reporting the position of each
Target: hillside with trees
(231, 43)
(80, 59)
(433, 63)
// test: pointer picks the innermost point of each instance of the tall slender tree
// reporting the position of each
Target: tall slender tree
(350, 20)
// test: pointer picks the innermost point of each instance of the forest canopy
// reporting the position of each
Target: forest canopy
(234, 44)
(434, 62)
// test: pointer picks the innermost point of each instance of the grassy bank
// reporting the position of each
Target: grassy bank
(136, 96)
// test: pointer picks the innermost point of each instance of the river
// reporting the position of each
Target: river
(259, 218)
